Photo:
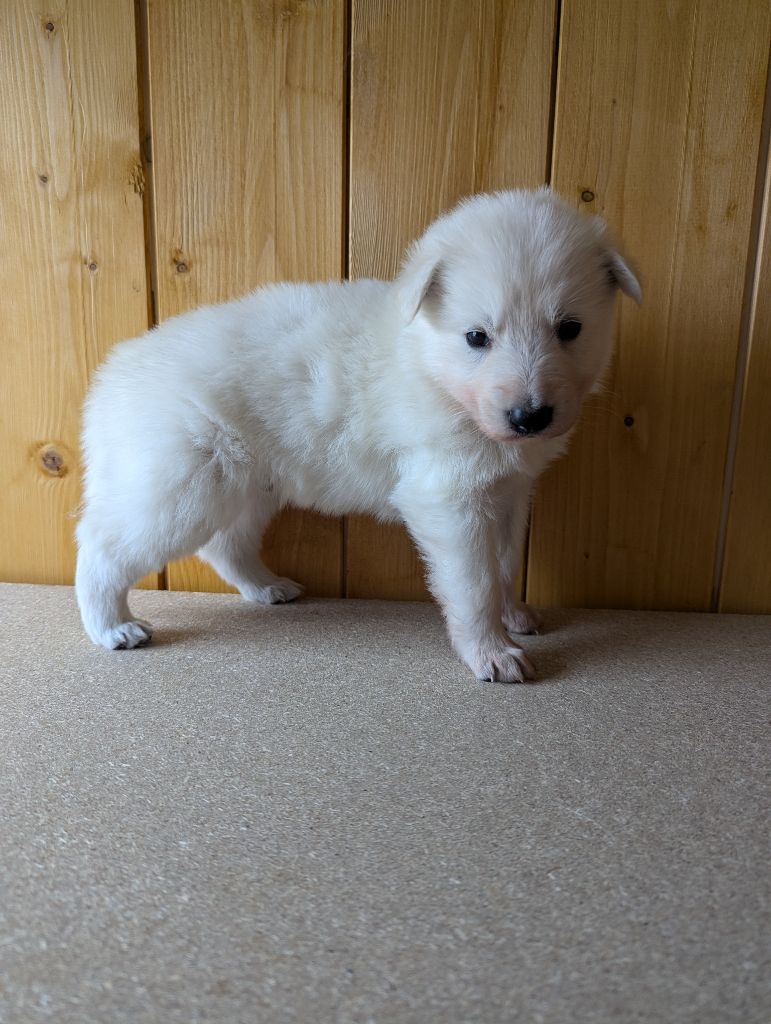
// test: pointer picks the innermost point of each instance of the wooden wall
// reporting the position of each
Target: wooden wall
(156, 154)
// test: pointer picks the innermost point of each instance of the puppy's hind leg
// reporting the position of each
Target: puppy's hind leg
(102, 581)
(234, 552)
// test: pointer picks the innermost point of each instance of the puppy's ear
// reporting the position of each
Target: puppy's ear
(420, 280)
(622, 276)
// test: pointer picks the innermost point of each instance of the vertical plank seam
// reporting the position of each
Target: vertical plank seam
(82, 228)
(145, 152)
(760, 215)
(78, 155)
(142, 27)
(346, 209)
(480, 69)
(549, 174)
(281, 41)
(347, 134)
(669, 304)
(552, 126)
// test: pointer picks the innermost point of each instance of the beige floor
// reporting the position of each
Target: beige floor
(313, 813)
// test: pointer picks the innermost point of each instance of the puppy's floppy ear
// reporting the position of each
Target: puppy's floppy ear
(622, 276)
(419, 280)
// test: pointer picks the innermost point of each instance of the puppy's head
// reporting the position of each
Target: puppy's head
(512, 295)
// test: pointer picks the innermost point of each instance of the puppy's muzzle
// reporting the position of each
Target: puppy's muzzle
(525, 420)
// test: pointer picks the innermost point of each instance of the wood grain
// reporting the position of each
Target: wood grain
(659, 109)
(746, 582)
(72, 255)
(246, 102)
(447, 98)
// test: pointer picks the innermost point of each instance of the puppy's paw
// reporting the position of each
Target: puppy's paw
(283, 590)
(127, 635)
(497, 660)
(519, 617)
(279, 591)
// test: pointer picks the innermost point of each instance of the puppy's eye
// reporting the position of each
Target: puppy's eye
(568, 330)
(477, 339)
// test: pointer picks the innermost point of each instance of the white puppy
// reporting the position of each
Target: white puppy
(436, 399)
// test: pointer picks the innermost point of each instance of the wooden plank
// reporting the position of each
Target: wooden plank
(247, 117)
(746, 583)
(448, 98)
(72, 258)
(659, 108)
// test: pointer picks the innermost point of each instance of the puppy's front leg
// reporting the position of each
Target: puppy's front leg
(511, 524)
(458, 541)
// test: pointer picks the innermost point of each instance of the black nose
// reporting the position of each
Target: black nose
(526, 420)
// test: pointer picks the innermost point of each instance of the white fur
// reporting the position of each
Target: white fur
(356, 397)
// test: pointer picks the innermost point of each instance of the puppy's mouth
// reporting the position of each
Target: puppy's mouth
(511, 438)
(543, 435)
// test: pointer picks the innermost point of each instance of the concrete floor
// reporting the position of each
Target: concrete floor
(313, 813)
